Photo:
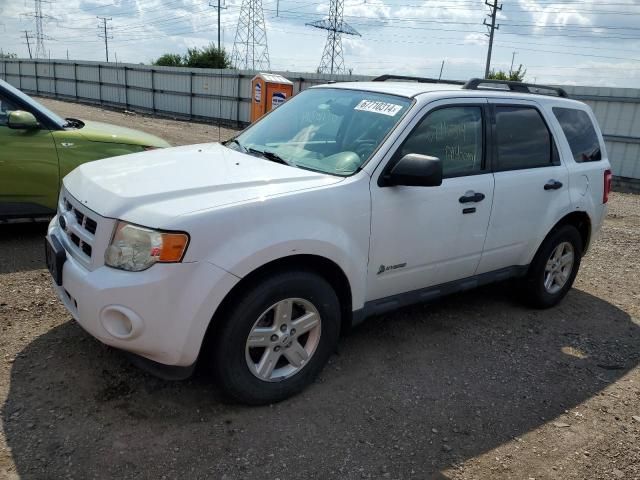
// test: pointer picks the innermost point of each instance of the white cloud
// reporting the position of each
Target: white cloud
(399, 36)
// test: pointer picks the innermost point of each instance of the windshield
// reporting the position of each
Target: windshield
(324, 129)
(33, 104)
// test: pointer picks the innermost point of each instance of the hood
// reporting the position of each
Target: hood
(149, 188)
(108, 133)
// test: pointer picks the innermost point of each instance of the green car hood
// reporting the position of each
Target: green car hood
(107, 133)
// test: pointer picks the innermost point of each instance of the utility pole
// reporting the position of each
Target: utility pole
(219, 6)
(492, 28)
(104, 34)
(513, 56)
(26, 36)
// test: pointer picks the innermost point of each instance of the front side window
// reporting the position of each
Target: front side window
(454, 135)
(523, 139)
(580, 133)
(329, 130)
(5, 108)
(33, 106)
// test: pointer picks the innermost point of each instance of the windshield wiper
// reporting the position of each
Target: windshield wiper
(274, 157)
(233, 140)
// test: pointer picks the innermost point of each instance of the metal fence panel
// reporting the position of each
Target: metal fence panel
(225, 95)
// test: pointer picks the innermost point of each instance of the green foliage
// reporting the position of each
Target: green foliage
(169, 60)
(514, 76)
(8, 55)
(207, 57)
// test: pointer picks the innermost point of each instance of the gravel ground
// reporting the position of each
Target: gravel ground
(473, 386)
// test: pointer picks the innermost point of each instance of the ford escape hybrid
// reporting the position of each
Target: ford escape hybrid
(346, 201)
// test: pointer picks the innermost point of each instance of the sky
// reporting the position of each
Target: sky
(576, 42)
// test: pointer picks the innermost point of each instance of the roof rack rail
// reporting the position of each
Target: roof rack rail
(384, 78)
(479, 84)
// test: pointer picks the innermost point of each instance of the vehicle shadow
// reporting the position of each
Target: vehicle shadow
(408, 395)
(22, 246)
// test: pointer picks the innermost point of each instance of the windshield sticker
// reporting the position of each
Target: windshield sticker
(384, 108)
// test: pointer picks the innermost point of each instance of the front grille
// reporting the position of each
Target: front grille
(77, 225)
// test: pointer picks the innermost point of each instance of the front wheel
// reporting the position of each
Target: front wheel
(277, 338)
(554, 268)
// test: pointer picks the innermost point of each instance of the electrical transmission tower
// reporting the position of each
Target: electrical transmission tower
(250, 51)
(332, 57)
(37, 15)
(103, 33)
(492, 27)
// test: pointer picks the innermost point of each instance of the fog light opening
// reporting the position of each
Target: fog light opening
(121, 322)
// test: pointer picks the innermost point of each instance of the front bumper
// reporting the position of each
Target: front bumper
(161, 314)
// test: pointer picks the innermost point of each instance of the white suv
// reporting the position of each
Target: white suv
(348, 200)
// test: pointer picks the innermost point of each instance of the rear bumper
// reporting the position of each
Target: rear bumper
(160, 314)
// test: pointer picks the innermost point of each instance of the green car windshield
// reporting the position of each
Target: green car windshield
(33, 104)
(328, 130)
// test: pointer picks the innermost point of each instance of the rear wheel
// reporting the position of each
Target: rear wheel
(277, 338)
(554, 268)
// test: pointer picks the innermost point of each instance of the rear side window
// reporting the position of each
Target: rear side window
(580, 133)
(523, 139)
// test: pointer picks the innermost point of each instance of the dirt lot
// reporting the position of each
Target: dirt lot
(474, 386)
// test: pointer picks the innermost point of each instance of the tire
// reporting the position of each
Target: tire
(538, 289)
(243, 372)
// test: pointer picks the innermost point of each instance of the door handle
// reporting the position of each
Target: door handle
(552, 185)
(471, 197)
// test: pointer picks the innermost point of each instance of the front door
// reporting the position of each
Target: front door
(29, 177)
(424, 236)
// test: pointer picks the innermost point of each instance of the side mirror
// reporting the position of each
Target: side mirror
(415, 170)
(22, 120)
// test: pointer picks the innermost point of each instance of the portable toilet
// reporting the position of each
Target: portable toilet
(268, 92)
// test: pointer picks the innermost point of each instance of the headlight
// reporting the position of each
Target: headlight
(135, 248)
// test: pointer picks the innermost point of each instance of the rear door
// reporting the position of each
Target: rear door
(29, 176)
(531, 184)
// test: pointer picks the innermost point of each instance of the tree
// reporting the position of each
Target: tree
(207, 57)
(514, 76)
(169, 60)
(8, 55)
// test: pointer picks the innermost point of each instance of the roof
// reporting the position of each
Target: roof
(413, 89)
(273, 78)
(403, 89)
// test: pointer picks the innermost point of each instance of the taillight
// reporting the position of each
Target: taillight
(607, 186)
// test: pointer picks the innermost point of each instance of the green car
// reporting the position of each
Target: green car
(38, 148)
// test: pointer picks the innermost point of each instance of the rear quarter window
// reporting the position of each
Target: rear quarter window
(580, 133)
